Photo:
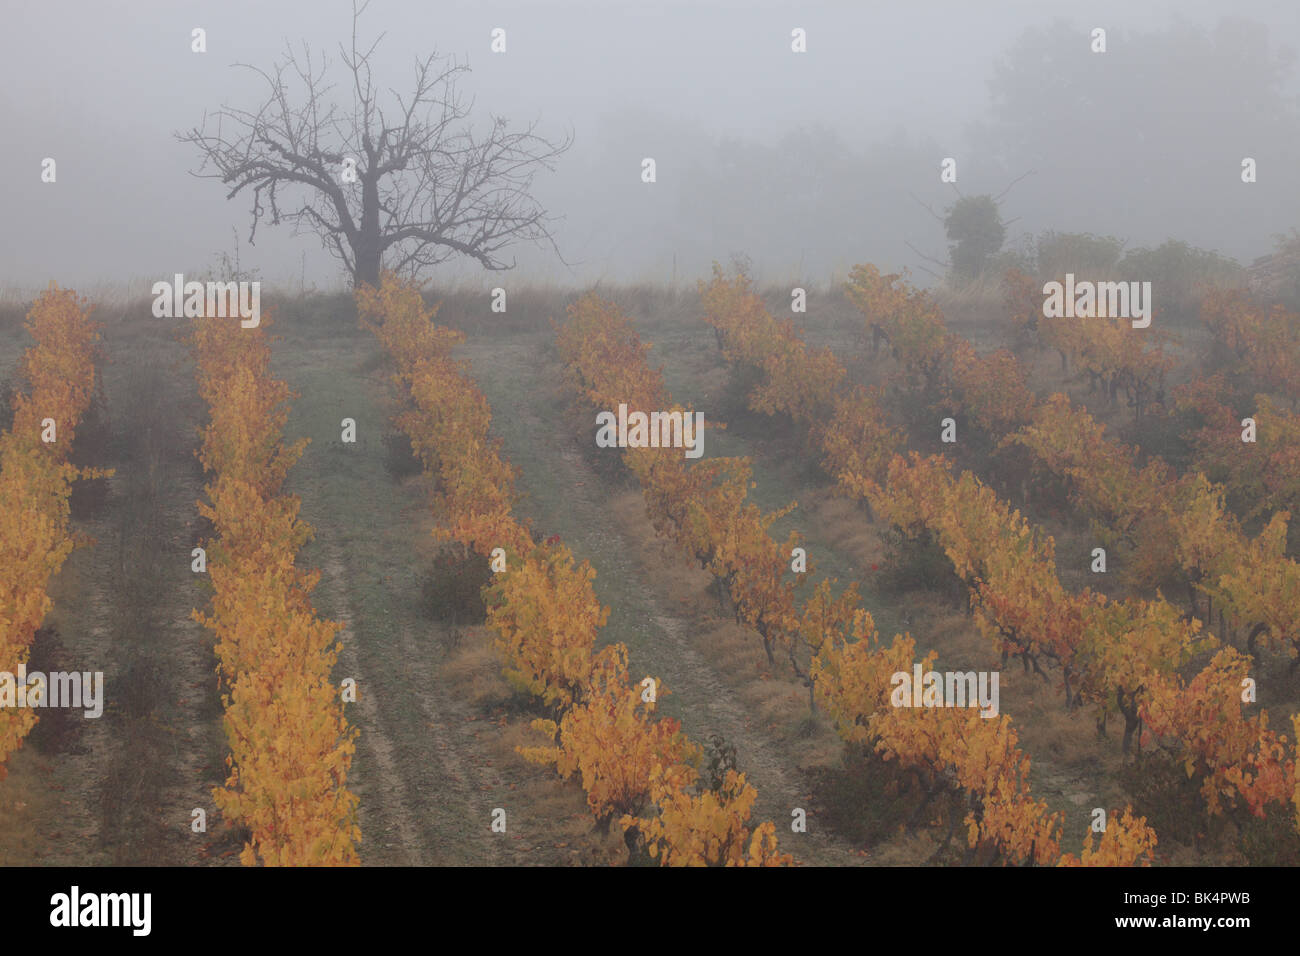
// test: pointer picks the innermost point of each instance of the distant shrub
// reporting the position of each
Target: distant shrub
(451, 587)
(1018, 259)
(918, 563)
(1080, 253)
(1177, 271)
(975, 229)
(400, 460)
(1288, 288)
(864, 799)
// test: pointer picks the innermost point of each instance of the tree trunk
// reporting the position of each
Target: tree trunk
(1129, 709)
(631, 840)
(1255, 631)
(367, 266)
(366, 249)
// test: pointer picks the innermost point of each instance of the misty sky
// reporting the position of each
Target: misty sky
(805, 162)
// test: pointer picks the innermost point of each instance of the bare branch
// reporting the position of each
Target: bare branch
(428, 185)
(999, 196)
(937, 218)
(938, 262)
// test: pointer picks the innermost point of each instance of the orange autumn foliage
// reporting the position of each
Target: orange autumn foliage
(849, 671)
(36, 480)
(290, 744)
(702, 827)
(541, 606)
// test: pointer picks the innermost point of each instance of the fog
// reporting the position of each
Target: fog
(804, 162)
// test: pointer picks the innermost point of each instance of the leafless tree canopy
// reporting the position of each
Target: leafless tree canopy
(427, 185)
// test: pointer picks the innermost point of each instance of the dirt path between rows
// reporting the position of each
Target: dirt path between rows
(1070, 769)
(438, 725)
(121, 788)
(659, 602)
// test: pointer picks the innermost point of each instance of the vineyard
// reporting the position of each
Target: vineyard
(415, 612)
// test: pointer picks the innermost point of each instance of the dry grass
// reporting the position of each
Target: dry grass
(971, 304)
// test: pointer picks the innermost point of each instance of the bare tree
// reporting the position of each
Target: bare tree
(404, 184)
